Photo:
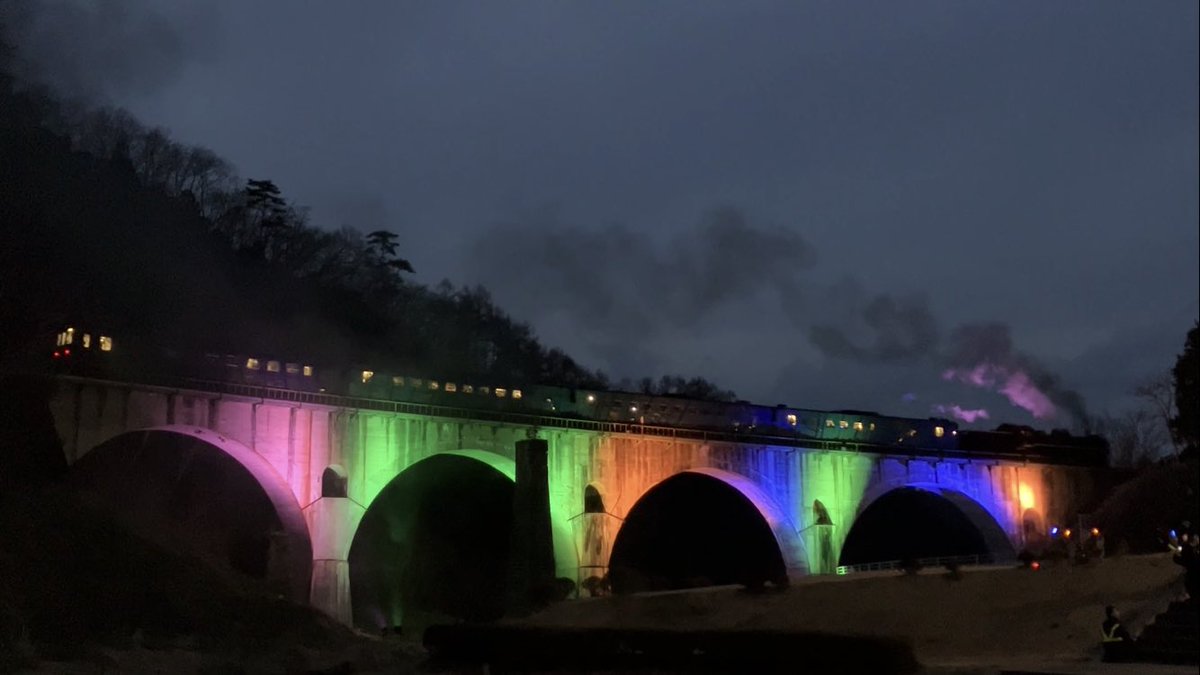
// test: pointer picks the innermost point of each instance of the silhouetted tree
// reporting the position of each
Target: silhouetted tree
(1186, 425)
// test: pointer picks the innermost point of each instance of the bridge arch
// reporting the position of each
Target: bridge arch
(916, 509)
(279, 547)
(755, 521)
(406, 556)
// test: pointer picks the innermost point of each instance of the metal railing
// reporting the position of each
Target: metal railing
(940, 561)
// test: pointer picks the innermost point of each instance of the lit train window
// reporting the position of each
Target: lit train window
(106, 343)
(69, 336)
(397, 381)
(87, 340)
(501, 392)
(272, 366)
(484, 390)
(912, 433)
(517, 394)
(433, 385)
(939, 431)
(308, 371)
(292, 368)
(872, 426)
(468, 389)
(367, 375)
(843, 424)
(858, 426)
(591, 398)
(252, 364)
(58, 339)
(451, 387)
(829, 423)
(791, 419)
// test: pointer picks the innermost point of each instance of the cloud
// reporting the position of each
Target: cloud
(898, 329)
(962, 414)
(630, 282)
(890, 329)
(105, 49)
(982, 355)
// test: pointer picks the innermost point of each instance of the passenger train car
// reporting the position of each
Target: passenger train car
(96, 354)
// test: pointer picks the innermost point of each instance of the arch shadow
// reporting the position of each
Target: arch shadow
(702, 527)
(258, 528)
(991, 540)
(434, 542)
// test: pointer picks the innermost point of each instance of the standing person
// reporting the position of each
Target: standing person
(1116, 640)
(1188, 557)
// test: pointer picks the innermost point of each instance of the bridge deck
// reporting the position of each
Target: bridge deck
(563, 422)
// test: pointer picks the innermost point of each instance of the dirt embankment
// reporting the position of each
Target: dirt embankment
(987, 616)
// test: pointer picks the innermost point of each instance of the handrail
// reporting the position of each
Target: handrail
(548, 421)
(940, 561)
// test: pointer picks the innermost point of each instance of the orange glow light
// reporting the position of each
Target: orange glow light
(1026, 497)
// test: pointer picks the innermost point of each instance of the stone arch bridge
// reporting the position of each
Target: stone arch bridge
(325, 467)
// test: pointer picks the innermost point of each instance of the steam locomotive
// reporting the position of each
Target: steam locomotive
(850, 427)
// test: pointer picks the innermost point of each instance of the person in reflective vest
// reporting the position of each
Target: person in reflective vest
(1117, 642)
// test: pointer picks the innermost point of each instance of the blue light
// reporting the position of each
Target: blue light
(1054, 530)
(1173, 535)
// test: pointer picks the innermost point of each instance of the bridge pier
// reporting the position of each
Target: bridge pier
(332, 522)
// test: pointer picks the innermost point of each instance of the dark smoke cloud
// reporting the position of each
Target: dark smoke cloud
(887, 329)
(621, 279)
(983, 355)
(896, 329)
(107, 48)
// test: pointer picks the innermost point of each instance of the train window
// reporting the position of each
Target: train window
(252, 364)
(367, 375)
(517, 394)
(308, 371)
(397, 381)
(872, 426)
(272, 366)
(416, 383)
(791, 419)
(106, 343)
(843, 424)
(858, 426)
(939, 431)
(500, 393)
(912, 433)
(484, 390)
(292, 368)
(87, 340)
(433, 385)
(451, 387)
(69, 336)
(468, 389)
(829, 424)
(591, 398)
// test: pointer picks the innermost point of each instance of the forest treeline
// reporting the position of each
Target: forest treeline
(111, 224)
